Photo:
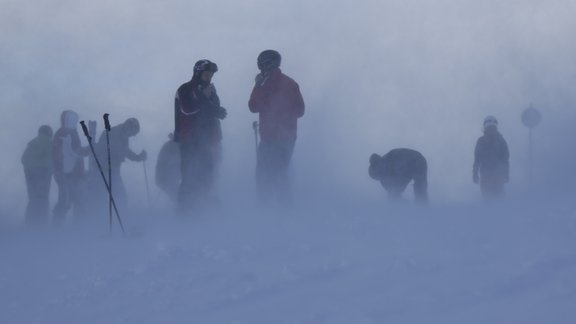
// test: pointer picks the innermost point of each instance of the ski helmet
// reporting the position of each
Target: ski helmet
(45, 130)
(204, 65)
(490, 121)
(268, 60)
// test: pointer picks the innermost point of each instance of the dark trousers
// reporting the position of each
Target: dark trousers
(492, 188)
(199, 164)
(38, 182)
(273, 161)
(70, 196)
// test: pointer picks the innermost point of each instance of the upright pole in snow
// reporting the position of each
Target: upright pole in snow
(146, 181)
(255, 128)
(85, 130)
(531, 117)
(107, 127)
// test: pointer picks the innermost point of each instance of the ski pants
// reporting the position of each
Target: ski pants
(38, 182)
(70, 196)
(273, 161)
(199, 164)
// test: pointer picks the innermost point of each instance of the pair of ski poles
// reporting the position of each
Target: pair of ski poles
(107, 183)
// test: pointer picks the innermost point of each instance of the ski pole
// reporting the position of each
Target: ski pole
(255, 128)
(85, 130)
(107, 127)
(146, 181)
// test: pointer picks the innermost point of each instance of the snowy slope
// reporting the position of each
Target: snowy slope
(340, 264)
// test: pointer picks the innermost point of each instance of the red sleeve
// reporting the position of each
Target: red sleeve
(257, 99)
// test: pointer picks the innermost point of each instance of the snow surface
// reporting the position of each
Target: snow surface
(350, 263)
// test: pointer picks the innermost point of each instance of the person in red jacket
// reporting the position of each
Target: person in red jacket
(197, 113)
(278, 101)
(68, 155)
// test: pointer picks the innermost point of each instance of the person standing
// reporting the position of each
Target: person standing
(119, 138)
(38, 164)
(197, 114)
(491, 167)
(397, 168)
(68, 158)
(277, 100)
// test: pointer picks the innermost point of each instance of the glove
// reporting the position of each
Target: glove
(260, 79)
(142, 156)
(475, 178)
(221, 113)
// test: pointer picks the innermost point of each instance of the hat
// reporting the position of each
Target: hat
(490, 121)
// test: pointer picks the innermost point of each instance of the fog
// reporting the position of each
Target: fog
(375, 75)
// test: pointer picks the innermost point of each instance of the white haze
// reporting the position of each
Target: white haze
(375, 75)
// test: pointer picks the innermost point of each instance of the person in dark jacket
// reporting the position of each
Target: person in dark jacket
(491, 161)
(68, 156)
(397, 168)
(119, 138)
(38, 164)
(197, 113)
(277, 100)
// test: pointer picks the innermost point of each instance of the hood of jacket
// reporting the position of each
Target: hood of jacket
(69, 119)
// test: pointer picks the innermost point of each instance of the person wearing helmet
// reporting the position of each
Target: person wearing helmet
(396, 169)
(197, 128)
(119, 138)
(37, 163)
(491, 161)
(276, 98)
(68, 161)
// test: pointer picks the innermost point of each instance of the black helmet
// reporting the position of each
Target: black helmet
(204, 65)
(268, 60)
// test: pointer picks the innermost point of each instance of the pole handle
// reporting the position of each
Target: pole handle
(107, 121)
(85, 130)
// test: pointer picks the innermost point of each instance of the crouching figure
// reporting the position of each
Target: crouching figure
(397, 168)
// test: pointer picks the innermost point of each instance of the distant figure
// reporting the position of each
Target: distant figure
(38, 164)
(491, 161)
(168, 173)
(277, 100)
(197, 114)
(119, 137)
(68, 156)
(399, 167)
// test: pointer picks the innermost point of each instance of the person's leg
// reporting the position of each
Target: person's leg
(63, 204)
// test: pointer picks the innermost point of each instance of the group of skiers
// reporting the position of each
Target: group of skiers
(188, 163)
(62, 156)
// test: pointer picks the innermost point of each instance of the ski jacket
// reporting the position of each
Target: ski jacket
(491, 157)
(119, 146)
(279, 103)
(398, 167)
(67, 152)
(195, 115)
(38, 153)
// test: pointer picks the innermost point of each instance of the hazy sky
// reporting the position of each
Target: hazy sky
(374, 75)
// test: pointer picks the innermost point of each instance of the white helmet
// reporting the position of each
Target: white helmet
(490, 121)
